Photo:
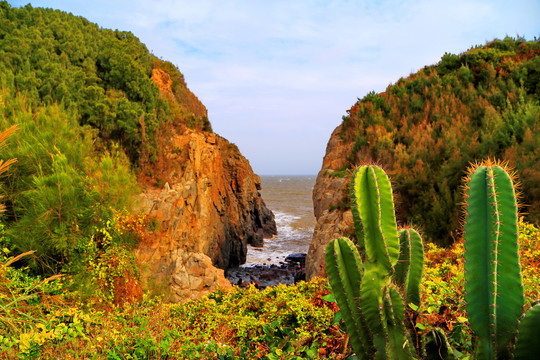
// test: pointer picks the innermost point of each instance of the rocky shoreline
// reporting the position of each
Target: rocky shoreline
(288, 272)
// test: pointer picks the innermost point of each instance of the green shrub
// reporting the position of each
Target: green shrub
(60, 190)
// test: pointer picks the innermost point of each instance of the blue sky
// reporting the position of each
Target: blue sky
(277, 76)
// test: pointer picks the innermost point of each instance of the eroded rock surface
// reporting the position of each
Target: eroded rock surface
(329, 194)
(205, 214)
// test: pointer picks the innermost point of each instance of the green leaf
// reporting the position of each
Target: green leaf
(329, 297)
(337, 317)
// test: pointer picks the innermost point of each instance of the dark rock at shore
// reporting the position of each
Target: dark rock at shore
(296, 258)
(288, 272)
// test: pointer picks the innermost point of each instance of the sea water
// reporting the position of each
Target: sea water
(289, 198)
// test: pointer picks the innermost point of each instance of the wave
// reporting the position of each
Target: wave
(291, 238)
(289, 198)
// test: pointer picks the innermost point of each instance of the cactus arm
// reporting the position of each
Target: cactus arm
(510, 297)
(358, 227)
(416, 268)
(344, 269)
(394, 311)
(372, 194)
(371, 297)
(477, 257)
(491, 260)
(404, 261)
(528, 344)
(408, 270)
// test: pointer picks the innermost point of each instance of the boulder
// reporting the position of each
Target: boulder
(193, 275)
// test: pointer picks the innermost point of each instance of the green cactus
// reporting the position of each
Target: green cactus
(371, 294)
(372, 205)
(344, 269)
(494, 291)
(527, 344)
(408, 270)
(372, 306)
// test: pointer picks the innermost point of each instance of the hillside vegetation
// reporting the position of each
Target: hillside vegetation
(426, 129)
(100, 77)
(90, 116)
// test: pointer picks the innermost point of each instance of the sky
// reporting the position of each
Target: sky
(277, 76)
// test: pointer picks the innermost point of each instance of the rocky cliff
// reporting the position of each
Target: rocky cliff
(330, 195)
(205, 214)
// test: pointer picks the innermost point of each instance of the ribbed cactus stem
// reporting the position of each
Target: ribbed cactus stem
(371, 303)
(410, 265)
(344, 269)
(394, 313)
(372, 198)
(494, 293)
(528, 344)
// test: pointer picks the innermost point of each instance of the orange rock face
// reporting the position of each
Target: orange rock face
(164, 82)
(206, 216)
(207, 212)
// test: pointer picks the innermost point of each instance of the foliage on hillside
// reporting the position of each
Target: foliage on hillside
(100, 76)
(62, 196)
(426, 129)
(90, 114)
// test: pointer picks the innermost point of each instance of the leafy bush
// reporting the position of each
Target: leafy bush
(276, 323)
(60, 190)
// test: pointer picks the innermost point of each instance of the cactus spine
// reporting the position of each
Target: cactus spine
(372, 306)
(494, 293)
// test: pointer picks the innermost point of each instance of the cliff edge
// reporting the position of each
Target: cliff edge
(329, 193)
(206, 212)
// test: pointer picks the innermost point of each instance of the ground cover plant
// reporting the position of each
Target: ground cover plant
(43, 318)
